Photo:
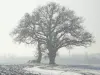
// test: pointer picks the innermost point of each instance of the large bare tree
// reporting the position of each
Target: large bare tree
(55, 27)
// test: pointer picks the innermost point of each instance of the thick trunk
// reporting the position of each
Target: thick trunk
(52, 56)
(39, 53)
(52, 52)
(39, 58)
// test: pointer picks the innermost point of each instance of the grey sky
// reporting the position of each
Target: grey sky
(11, 12)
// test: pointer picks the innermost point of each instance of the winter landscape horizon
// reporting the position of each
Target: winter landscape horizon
(49, 37)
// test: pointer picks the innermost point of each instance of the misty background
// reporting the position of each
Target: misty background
(13, 10)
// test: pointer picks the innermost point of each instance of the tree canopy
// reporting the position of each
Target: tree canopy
(55, 27)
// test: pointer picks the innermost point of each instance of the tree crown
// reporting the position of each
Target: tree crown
(53, 25)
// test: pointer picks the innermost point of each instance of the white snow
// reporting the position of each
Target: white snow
(37, 70)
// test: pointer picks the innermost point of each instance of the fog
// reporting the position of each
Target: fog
(11, 11)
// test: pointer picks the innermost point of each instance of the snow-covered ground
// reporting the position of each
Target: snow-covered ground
(60, 70)
(45, 69)
(37, 70)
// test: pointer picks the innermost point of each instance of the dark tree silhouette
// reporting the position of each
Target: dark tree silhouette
(54, 26)
(40, 50)
(39, 53)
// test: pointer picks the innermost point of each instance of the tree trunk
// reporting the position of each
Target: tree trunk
(39, 53)
(39, 57)
(52, 52)
(52, 56)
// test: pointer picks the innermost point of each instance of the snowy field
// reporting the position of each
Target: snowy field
(39, 71)
(64, 70)
(48, 70)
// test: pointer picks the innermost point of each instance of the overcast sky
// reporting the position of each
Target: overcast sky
(11, 12)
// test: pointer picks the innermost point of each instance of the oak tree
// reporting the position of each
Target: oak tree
(55, 27)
